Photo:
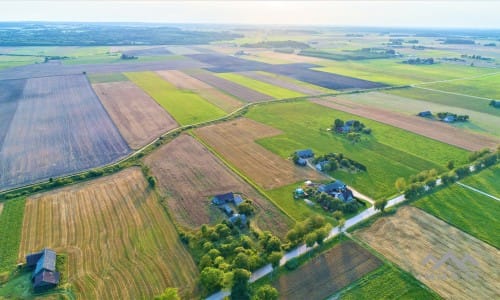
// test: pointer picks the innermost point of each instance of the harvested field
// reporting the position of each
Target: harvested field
(227, 63)
(10, 92)
(120, 242)
(221, 99)
(190, 175)
(148, 51)
(59, 127)
(289, 58)
(431, 129)
(287, 84)
(436, 253)
(232, 88)
(327, 273)
(235, 141)
(182, 80)
(138, 117)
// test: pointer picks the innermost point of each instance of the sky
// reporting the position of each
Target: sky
(404, 13)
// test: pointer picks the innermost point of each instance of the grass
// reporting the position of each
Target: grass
(262, 87)
(15, 61)
(467, 210)
(388, 153)
(11, 222)
(387, 282)
(487, 86)
(393, 72)
(486, 181)
(108, 77)
(185, 106)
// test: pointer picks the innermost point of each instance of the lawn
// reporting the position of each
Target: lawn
(467, 210)
(11, 222)
(259, 86)
(15, 61)
(487, 86)
(107, 77)
(487, 181)
(186, 107)
(393, 72)
(387, 282)
(388, 153)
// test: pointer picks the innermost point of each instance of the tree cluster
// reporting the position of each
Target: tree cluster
(419, 61)
(312, 230)
(338, 160)
(332, 204)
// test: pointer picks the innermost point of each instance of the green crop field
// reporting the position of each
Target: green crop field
(470, 211)
(487, 181)
(387, 283)
(392, 71)
(108, 77)
(15, 61)
(388, 153)
(185, 106)
(263, 87)
(11, 222)
(487, 86)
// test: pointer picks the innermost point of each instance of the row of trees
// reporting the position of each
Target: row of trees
(419, 61)
(459, 118)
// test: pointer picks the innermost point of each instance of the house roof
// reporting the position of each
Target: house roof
(227, 208)
(238, 200)
(304, 153)
(227, 197)
(235, 217)
(332, 186)
(33, 258)
(46, 262)
(46, 278)
(349, 123)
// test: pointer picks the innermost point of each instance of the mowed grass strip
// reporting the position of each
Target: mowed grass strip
(262, 87)
(11, 224)
(185, 106)
(487, 181)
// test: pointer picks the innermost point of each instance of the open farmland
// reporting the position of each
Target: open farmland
(327, 273)
(119, 240)
(138, 117)
(186, 107)
(260, 86)
(235, 141)
(486, 86)
(106, 77)
(388, 153)
(11, 222)
(184, 81)
(190, 175)
(439, 131)
(436, 254)
(280, 58)
(287, 83)
(231, 88)
(59, 127)
(486, 181)
(479, 122)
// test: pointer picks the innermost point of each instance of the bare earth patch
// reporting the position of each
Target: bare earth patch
(1, 208)
(420, 244)
(235, 141)
(120, 242)
(189, 174)
(431, 129)
(138, 117)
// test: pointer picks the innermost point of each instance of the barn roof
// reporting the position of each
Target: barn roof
(45, 278)
(46, 262)
(332, 186)
(238, 200)
(227, 197)
(305, 153)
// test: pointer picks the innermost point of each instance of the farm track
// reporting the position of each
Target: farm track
(120, 242)
(431, 129)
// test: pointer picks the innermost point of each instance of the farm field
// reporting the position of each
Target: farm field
(419, 242)
(260, 86)
(327, 273)
(186, 107)
(11, 222)
(486, 86)
(438, 131)
(288, 83)
(106, 77)
(235, 141)
(480, 122)
(393, 72)
(138, 117)
(119, 240)
(272, 57)
(486, 181)
(189, 175)
(56, 126)
(387, 153)
(184, 81)
(386, 283)
(15, 61)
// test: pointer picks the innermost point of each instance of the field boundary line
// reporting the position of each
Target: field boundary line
(457, 79)
(452, 93)
(478, 191)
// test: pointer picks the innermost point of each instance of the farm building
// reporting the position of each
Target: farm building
(298, 193)
(338, 189)
(237, 217)
(449, 119)
(306, 153)
(349, 123)
(227, 209)
(319, 166)
(301, 162)
(44, 276)
(425, 114)
(344, 129)
(238, 200)
(223, 198)
(495, 103)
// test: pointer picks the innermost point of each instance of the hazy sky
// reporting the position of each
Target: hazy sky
(473, 14)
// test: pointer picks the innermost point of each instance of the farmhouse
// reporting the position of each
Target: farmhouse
(306, 153)
(449, 119)
(227, 209)
(301, 162)
(223, 198)
(234, 218)
(319, 166)
(425, 114)
(338, 189)
(495, 103)
(44, 276)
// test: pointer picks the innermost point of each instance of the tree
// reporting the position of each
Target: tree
(321, 234)
(239, 289)
(246, 208)
(266, 292)
(338, 215)
(400, 184)
(450, 165)
(341, 225)
(211, 279)
(310, 239)
(354, 137)
(338, 123)
(169, 294)
(241, 261)
(381, 204)
(275, 258)
(273, 244)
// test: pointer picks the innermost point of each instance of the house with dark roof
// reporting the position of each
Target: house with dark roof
(227, 209)
(425, 114)
(223, 198)
(305, 153)
(337, 189)
(319, 166)
(349, 123)
(238, 200)
(44, 275)
(237, 217)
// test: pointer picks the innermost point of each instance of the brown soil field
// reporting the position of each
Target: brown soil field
(138, 117)
(189, 174)
(235, 141)
(436, 253)
(213, 95)
(119, 239)
(432, 129)
(1, 208)
(327, 273)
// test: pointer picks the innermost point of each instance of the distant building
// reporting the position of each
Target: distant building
(449, 119)
(298, 193)
(319, 166)
(301, 162)
(45, 275)
(306, 153)
(237, 217)
(337, 189)
(425, 114)
(223, 198)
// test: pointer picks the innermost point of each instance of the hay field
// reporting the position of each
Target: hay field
(120, 242)
(235, 141)
(412, 236)
(190, 175)
(138, 117)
